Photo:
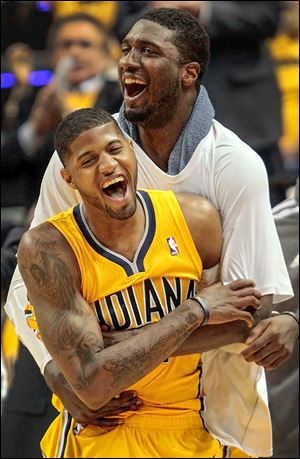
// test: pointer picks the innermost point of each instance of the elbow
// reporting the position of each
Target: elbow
(96, 392)
(94, 401)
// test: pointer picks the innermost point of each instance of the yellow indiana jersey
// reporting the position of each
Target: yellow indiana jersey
(129, 294)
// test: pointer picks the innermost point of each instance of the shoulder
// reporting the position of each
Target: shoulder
(196, 208)
(237, 167)
(45, 232)
(230, 147)
(44, 243)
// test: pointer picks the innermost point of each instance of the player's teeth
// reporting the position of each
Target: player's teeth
(112, 181)
(133, 81)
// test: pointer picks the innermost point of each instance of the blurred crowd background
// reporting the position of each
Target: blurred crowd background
(53, 63)
(58, 56)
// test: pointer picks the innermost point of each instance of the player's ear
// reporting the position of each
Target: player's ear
(189, 74)
(67, 178)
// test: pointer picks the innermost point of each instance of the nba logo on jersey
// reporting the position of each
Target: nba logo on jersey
(173, 245)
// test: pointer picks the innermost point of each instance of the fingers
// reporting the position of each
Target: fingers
(276, 363)
(128, 394)
(228, 313)
(107, 422)
(250, 352)
(257, 331)
(255, 354)
(247, 291)
(243, 302)
(123, 403)
(246, 316)
(127, 401)
(241, 283)
(274, 359)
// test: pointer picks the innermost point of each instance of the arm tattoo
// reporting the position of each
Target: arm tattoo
(51, 279)
(134, 361)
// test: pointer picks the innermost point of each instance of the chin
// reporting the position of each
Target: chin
(136, 115)
(122, 214)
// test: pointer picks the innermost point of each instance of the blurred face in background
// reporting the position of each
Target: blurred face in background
(86, 45)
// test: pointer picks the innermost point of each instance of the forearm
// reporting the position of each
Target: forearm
(112, 370)
(265, 309)
(206, 338)
(214, 336)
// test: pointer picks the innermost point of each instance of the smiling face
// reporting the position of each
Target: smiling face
(150, 74)
(101, 165)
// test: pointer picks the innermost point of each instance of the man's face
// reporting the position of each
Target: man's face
(84, 43)
(149, 73)
(102, 166)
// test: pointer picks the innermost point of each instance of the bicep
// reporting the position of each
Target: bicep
(204, 224)
(67, 324)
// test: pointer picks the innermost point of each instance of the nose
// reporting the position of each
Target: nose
(131, 60)
(107, 164)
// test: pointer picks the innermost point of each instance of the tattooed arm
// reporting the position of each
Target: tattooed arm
(72, 334)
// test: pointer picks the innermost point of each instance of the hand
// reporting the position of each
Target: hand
(127, 400)
(48, 110)
(227, 302)
(271, 342)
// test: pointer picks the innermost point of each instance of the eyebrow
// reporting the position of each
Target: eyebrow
(142, 42)
(82, 155)
(89, 152)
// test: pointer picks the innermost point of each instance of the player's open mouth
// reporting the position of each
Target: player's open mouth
(115, 188)
(134, 87)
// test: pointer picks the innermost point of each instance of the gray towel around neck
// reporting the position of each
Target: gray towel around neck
(196, 128)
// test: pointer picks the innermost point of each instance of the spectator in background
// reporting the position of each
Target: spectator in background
(84, 77)
(19, 57)
(240, 78)
(285, 52)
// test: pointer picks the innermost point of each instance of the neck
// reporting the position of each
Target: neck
(158, 143)
(122, 236)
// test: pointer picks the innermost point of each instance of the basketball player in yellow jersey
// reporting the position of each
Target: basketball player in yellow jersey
(120, 260)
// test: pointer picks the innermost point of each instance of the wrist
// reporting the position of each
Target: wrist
(287, 313)
(204, 307)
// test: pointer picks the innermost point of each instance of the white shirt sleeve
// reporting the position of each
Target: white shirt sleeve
(251, 246)
(55, 196)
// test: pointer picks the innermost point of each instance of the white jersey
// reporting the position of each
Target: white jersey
(233, 177)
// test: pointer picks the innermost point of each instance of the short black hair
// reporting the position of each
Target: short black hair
(77, 17)
(190, 37)
(77, 122)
